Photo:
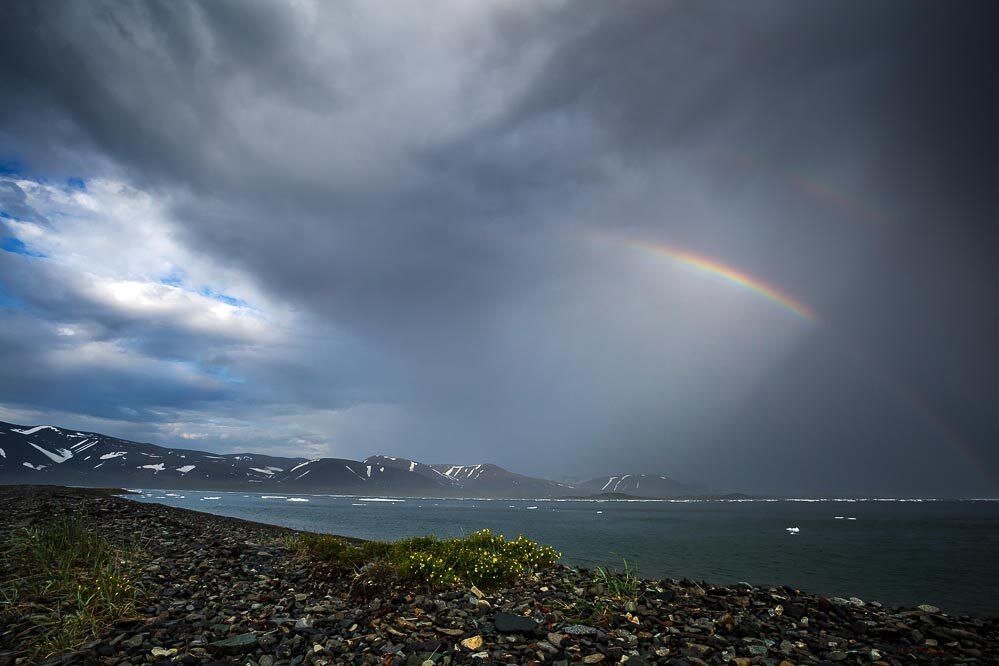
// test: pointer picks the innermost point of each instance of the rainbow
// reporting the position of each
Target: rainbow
(909, 394)
(729, 274)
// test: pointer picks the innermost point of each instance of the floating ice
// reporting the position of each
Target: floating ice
(113, 454)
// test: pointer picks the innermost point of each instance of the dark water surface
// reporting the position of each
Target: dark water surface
(898, 552)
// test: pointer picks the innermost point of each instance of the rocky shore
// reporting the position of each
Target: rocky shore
(227, 591)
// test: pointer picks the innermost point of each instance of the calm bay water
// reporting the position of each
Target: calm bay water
(899, 552)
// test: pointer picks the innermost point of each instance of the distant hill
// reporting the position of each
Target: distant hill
(637, 485)
(47, 454)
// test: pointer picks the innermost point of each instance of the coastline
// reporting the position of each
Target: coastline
(215, 578)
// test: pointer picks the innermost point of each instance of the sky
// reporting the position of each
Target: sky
(748, 245)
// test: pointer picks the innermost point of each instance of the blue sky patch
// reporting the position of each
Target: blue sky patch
(224, 298)
(16, 246)
(174, 279)
(77, 183)
(11, 167)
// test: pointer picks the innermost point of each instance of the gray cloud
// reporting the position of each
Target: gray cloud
(423, 203)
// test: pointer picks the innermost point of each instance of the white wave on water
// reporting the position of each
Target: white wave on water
(273, 497)
(380, 499)
(210, 498)
(793, 530)
(357, 504)
(297, 499)
(530, 507)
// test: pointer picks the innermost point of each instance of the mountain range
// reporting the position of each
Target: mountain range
(45, 454)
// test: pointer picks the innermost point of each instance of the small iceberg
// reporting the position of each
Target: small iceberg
(793, 530)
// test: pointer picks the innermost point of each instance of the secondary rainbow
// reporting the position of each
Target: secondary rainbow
(729, 274)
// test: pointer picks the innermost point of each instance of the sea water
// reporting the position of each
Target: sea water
(898, 552)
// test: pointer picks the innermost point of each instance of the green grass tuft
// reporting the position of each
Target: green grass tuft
(623, 585)
(483, 559)
(70, 579)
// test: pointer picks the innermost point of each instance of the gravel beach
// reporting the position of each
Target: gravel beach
(225, 591)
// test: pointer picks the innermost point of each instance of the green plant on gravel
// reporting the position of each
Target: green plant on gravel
(623, 585)
(483, 558)
(71, 580)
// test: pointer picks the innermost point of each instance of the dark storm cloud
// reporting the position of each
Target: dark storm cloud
(424, 183)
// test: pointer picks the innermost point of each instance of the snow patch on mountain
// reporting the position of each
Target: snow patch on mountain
(62, 456)
(32, 431)
(307, 462)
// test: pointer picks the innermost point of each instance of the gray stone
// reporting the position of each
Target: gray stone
(236, 644)
(508, 623)
(580, 630)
